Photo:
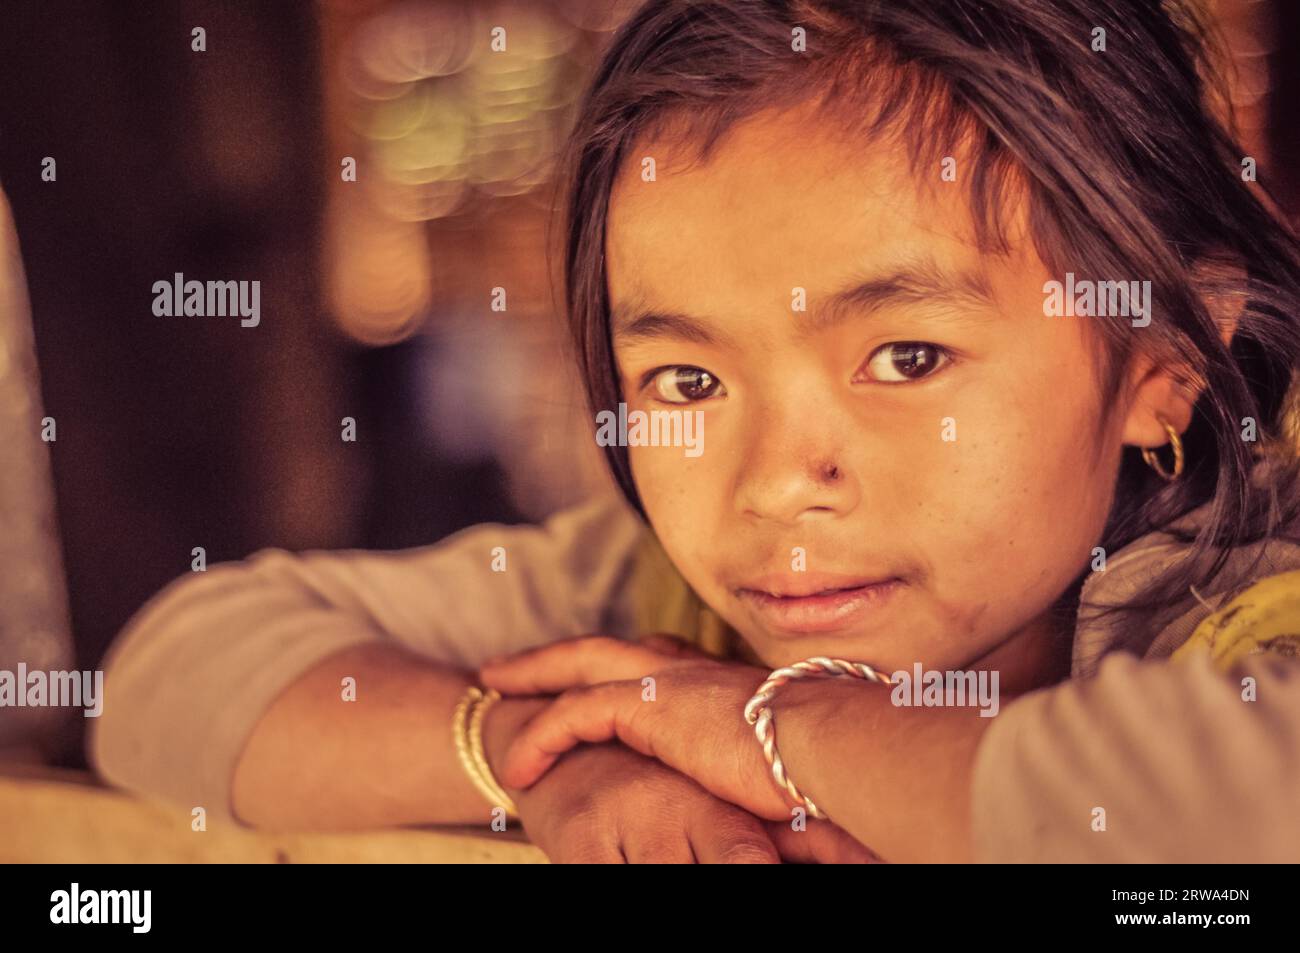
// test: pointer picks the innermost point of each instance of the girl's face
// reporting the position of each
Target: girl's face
(911, 469)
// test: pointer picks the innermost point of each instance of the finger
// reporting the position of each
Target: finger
(574, 842)
(593, 714)
(587, 852)
(674, 646)
(554, 668)
(819, 843)
(653, 829)
(724, 834)
(661, 847)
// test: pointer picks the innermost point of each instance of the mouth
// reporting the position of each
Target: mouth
(802, 606)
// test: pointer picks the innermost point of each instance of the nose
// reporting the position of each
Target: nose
(795, 471)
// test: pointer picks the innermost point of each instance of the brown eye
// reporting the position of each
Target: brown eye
(684, 384)
(902, 361)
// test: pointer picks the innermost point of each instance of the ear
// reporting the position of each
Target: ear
(1159, 390)
(1169, 389)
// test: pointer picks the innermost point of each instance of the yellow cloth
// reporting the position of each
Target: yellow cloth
(1263, 618)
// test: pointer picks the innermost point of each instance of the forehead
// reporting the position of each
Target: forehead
(783, 201)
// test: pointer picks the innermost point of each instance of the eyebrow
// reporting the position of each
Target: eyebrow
(919, 282)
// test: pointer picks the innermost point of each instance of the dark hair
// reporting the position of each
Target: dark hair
(1126, 168)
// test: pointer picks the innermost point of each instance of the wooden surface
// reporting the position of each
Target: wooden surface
(52, 816)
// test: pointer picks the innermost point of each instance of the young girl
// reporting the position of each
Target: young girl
(839, 231)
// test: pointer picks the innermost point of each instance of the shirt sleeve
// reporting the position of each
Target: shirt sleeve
(1187, 762)
(191, 673)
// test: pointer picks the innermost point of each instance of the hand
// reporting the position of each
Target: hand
(605, 804)
(695, 724)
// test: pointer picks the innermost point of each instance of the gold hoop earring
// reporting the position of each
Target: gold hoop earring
(1176, 442)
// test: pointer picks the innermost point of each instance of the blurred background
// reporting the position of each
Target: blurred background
(376, 294)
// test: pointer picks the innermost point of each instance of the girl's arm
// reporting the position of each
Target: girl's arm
(897, 779)
(1145, 762)
(1156, 761)
(316, 762)
(228, 692)
(189, 679)
(388, 759)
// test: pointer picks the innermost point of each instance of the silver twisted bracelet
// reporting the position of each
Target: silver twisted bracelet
(758, 712)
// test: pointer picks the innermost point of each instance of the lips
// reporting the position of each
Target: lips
(817, 603)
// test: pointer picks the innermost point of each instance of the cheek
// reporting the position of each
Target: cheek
(1025, 496)
(683, 497)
